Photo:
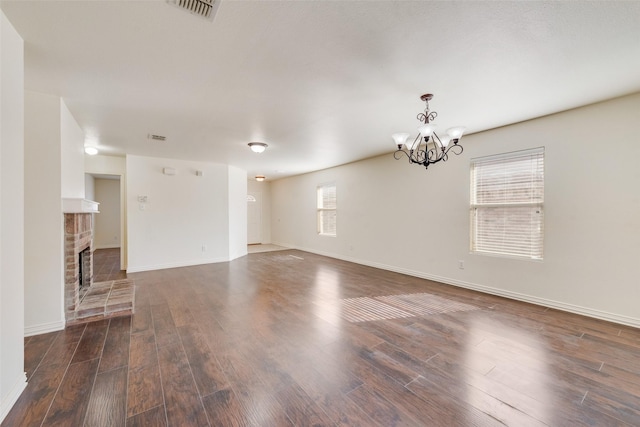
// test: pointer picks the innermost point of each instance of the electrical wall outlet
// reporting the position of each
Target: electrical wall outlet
(461, 264)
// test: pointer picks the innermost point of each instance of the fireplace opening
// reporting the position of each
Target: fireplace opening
(84, 273)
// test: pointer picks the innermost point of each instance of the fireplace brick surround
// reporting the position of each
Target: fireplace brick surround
(77, 237)
(96, 300)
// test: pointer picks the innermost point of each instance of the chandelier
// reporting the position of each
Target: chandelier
(419, 150)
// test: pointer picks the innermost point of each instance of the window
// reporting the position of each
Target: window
(507, 195)
(327, 210)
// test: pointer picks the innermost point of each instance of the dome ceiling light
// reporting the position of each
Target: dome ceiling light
(258, 147)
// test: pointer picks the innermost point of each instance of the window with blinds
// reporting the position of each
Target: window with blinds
(327, 205)
(507, 197)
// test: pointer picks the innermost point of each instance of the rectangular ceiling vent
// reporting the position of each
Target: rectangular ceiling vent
(153, 137)
(206, 9)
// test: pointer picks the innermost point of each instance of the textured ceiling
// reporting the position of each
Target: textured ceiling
(322, 82)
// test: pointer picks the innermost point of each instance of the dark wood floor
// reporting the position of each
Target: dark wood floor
(265, 341)
(106, 265)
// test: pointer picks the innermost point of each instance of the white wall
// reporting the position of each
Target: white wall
(107, 222)
(264, 188)
(12, 376)
(400, 217)
(186, 218)
(44, 231)
(237, 212)
(105, 165)
(89, 187)
(72, 155)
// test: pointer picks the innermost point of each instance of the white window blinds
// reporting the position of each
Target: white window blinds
(507, 196)
(327, 205)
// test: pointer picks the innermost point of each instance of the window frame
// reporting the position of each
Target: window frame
(527, 200)
(322, 210)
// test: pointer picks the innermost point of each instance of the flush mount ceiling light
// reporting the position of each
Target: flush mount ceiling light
(260, 178)
(92, 151)
(426, 132)
(258, 147)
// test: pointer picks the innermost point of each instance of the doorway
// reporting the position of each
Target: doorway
(108, 227)
(254, 218)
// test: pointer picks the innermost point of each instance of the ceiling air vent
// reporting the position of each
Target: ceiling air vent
(204, 8)
(153, 137)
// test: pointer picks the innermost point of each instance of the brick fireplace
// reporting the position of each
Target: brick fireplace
(92, 301)
(77, 237)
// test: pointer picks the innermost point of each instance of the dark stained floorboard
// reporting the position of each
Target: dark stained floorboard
(261, 341)
(70, 403)
(108, 404)
(116, 346)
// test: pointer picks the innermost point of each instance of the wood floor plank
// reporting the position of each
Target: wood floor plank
(70, 403)
(183, 403)
(258, 404)
(92, 341)
(300, 408)
(261, 407)
(108, 402)
(144, 389)
(224, 409)
(62, 350)
(164, 327)
(35, 351)
(379, 409)
(154, 417)
(116, 346)
(207, 372)
(141, 319)
(180, 312)
(143, 350)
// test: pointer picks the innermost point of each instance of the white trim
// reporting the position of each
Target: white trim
(116, 246)
(239, 254)
(176, 264)
(44, 328)
(570, 308)
(9, 399)
(79, 206)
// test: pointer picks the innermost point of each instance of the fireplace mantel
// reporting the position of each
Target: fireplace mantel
(79, 206)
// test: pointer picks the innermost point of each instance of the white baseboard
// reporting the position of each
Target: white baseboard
(116, 246)
(137, 269)
(237, 255)
(9, 399)
(571, 308)
(44, 328)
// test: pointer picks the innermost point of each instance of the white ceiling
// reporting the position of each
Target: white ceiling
(322, 82)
